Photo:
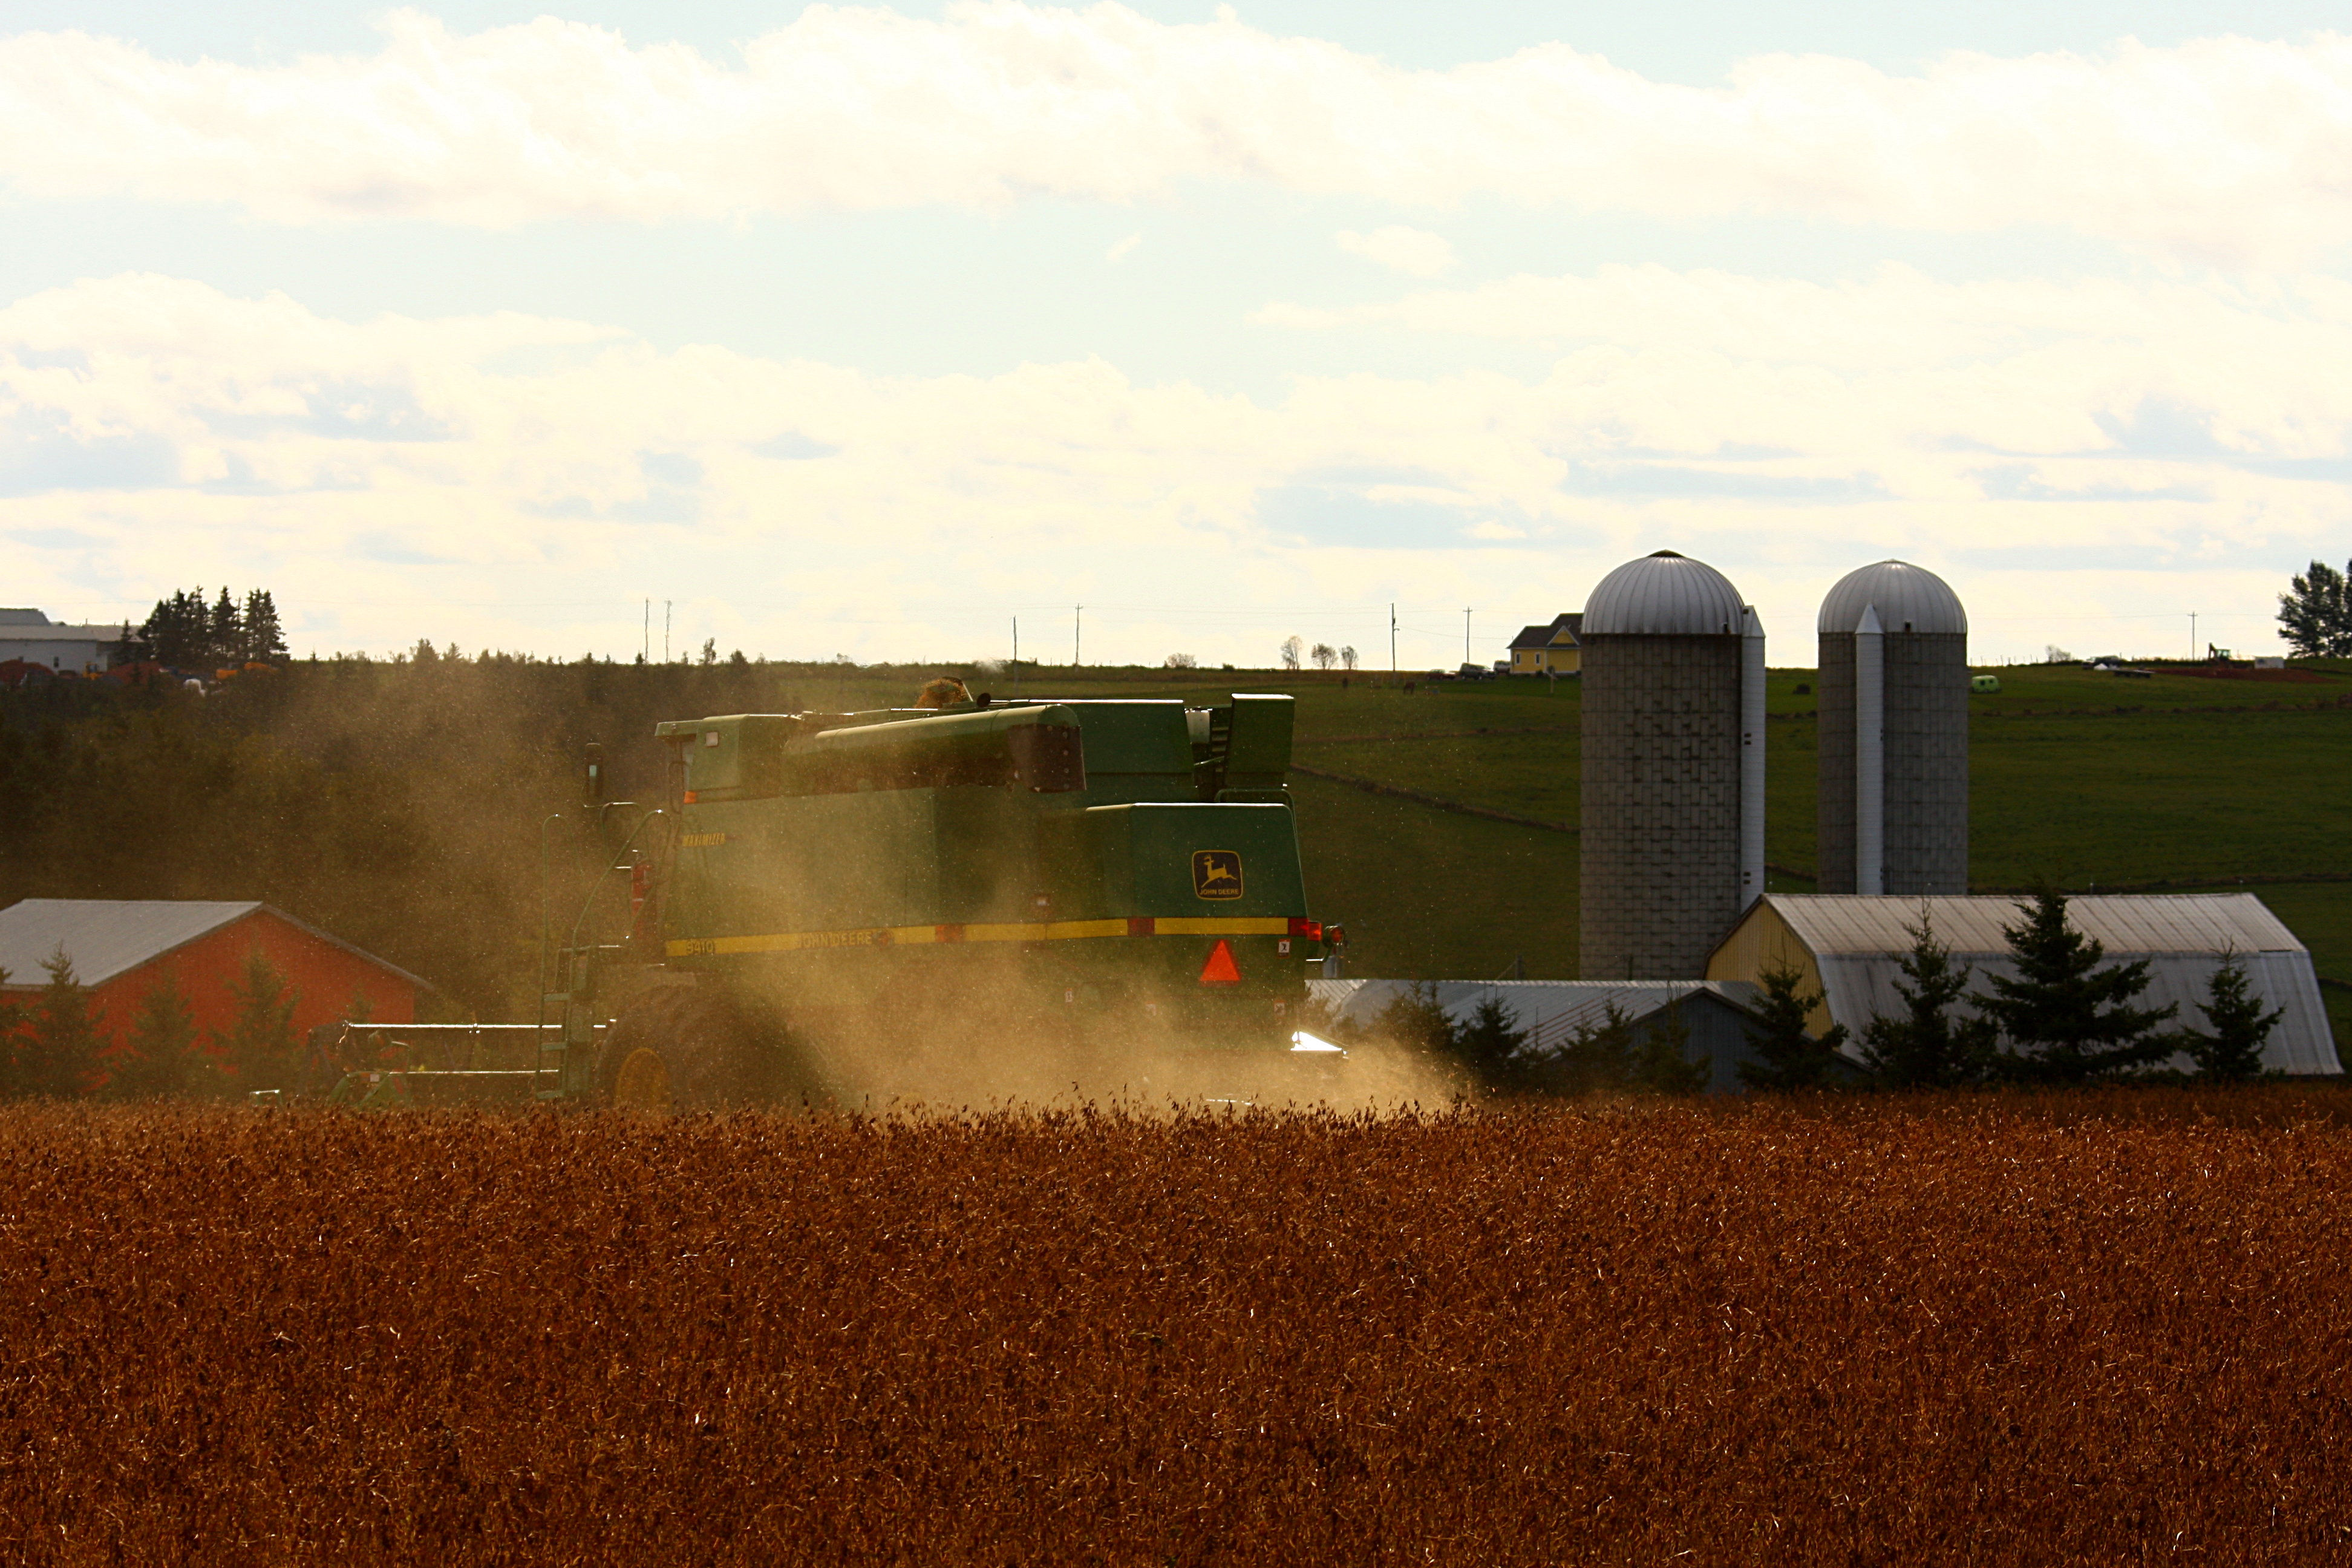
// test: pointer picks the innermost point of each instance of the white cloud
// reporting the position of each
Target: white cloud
(1119, 251)
(2228, 149)
(2028, 364)
(1413, 251)
(397, 479)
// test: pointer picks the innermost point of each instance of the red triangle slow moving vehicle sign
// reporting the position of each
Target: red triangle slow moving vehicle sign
(1221, 970)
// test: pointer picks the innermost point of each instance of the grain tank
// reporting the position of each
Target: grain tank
(1893, 803)
(1673, 823)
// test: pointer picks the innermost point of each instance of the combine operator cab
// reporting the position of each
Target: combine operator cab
(987, 899)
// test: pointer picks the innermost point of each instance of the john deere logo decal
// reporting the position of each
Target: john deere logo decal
(1216, 874)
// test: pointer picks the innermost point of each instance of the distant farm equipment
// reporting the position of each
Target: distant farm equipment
(986, 899)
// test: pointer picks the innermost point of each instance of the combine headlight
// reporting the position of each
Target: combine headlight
(1303, 1041)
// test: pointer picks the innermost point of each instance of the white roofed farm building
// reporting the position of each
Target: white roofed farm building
(28, 637)
(1848, 947)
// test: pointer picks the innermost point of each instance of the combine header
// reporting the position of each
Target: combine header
(987, 899)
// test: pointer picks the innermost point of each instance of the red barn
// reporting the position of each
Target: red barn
(122, 947)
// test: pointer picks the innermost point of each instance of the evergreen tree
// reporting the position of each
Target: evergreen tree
(177, 631)
(163, 1057)
(2068, 1020)
(57, 1056)
(259, 1045)
(1779, 1032)
(1413, 1021)
(1663, 1064)
(1927, 1046)
(2316, 614)
(2232, 1053)
(1596, 1057)
(225, 629)
(263, 638)
(1416, 1025)
(1490, 1044)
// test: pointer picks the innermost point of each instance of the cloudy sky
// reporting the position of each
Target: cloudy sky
(841, 329)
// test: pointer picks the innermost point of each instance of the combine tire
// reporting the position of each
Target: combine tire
(683, 1048)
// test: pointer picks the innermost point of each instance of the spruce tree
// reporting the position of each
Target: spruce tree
(177, 631)
(1928, 1046)
(1490, 1044)
(262, 636)
(259, 1045)
(1416, 1025)
(225, 631)
(2068, 1020)
(163, 1057)
(57, 1056)
(1780, 1033)
(2232, 1053)
(1597, 1057)
(1663, 1064)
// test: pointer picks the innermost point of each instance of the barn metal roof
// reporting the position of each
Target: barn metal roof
(1909, 599)
(1857, 941)
(54, 631)
(107, 936)
(2143, 923)
(1550, 1010)
(1664, 595)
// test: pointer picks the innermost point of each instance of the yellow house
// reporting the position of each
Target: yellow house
(1552, 649)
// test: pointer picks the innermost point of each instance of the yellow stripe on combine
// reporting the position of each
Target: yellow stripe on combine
(1021, 931)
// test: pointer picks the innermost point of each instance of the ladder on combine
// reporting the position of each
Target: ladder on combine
(565, 1064)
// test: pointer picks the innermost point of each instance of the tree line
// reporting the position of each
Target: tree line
(186, 633)
(2066, 1017)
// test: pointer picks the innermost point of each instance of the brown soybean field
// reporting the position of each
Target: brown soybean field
(2102, 1327)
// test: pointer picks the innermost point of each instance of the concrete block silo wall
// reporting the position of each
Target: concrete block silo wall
(1834, 807)
(1927, 767)
(1660, 841)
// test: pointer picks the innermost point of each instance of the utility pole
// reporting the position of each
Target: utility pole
(1393, 664)
(1465, 634)
(2192, 635)
(1077, 633)
(665, 631)
(1016, 656)
(646, 646)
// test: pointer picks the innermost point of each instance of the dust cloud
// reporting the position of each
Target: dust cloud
(954, 1049)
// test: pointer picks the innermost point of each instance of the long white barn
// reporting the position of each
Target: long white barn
(1847, 947)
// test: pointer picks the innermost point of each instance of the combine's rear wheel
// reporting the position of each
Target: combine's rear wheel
(643, 1082)
(683, 1048)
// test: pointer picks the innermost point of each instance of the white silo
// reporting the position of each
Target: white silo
(1673, 819)
(1894, 759)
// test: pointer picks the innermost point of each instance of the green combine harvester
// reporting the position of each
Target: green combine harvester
(985, 901)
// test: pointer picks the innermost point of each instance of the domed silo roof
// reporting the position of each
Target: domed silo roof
(1665, 594)
(1909, 599)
